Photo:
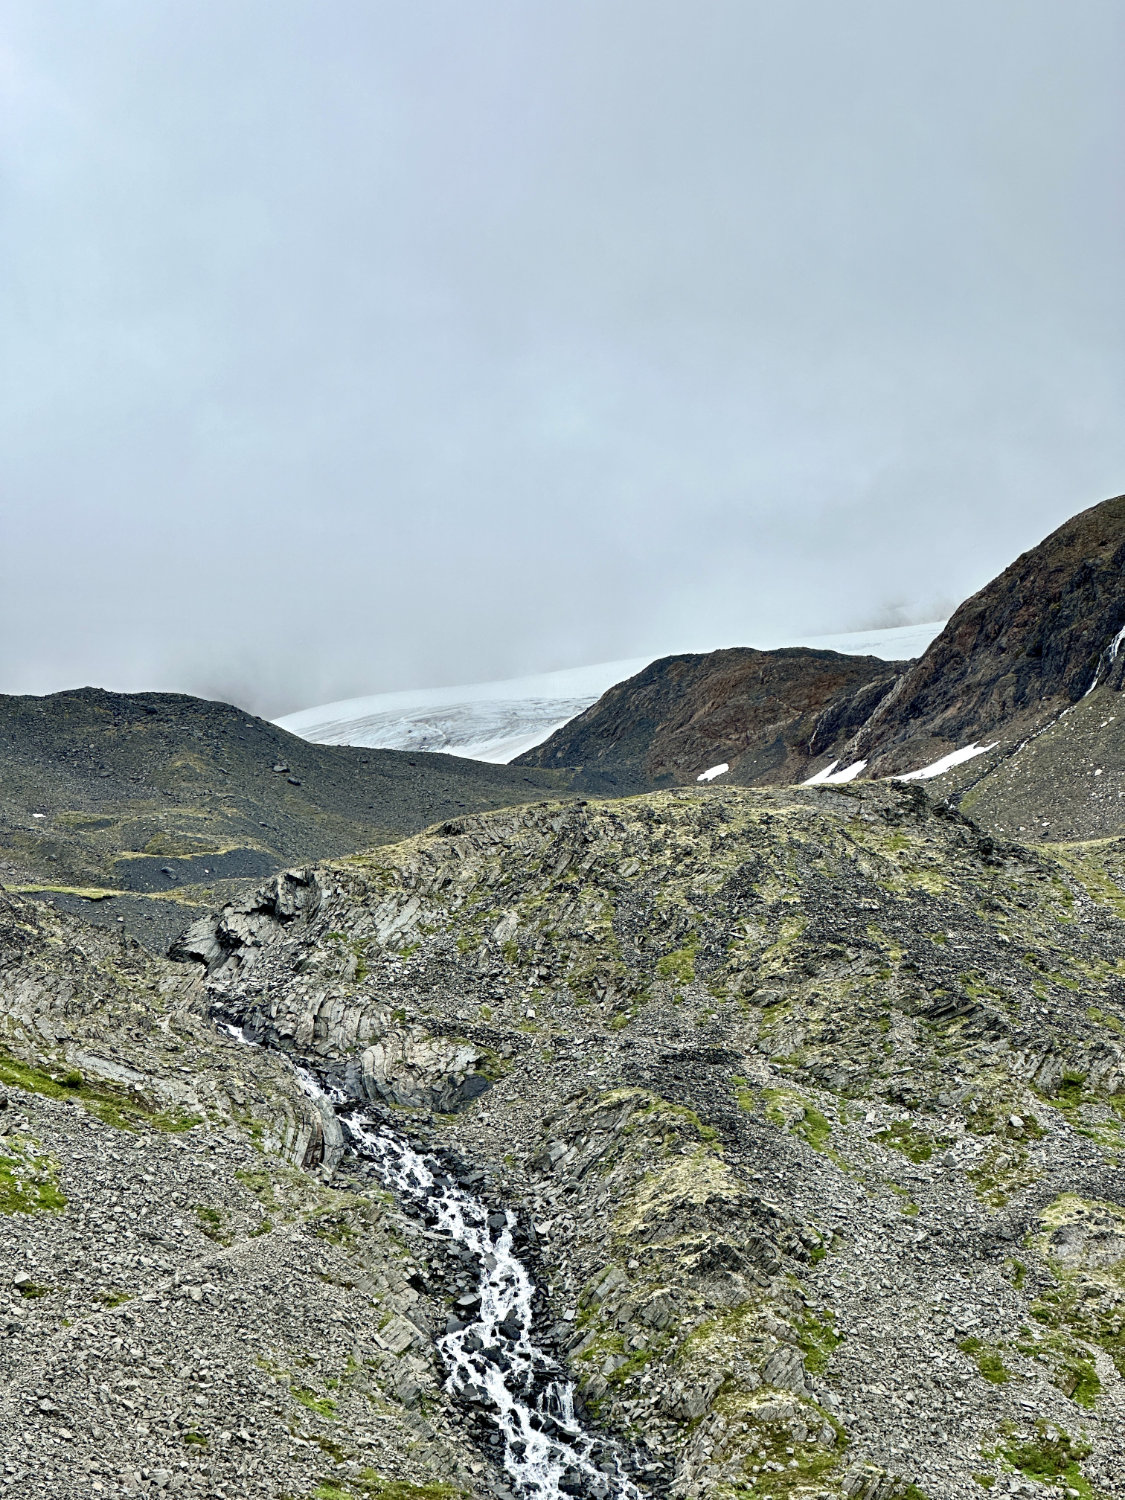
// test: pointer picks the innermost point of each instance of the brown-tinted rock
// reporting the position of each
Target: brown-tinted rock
(1028, 645)
(769, 714)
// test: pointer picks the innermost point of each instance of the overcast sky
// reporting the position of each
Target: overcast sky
(361, 345)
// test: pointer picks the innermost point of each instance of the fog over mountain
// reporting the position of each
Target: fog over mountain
(368, 347)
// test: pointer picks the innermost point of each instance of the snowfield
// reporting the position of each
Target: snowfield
(830, 776)
(496, 721)
(947, 762)
(709, 775)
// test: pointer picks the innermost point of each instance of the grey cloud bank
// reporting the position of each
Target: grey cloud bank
(374, 346)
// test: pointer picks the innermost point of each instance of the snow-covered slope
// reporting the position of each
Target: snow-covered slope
(497, 721)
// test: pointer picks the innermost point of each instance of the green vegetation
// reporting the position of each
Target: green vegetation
(743, 1094)
(322, 1405)
(1081, 1308)
(1001, 1119)
(262, 1185)
(1071, 1368)
(678, 967)
(372, 1486)
(28, 1181)
(1081, 860)
(1103, 1018)
(1051, 1454)
(1071, 1091)
(818, 1338)
(85, 892)
(336, 1228)
(790, 1111)
(212, 1223)
(32, 1289)
(115, 1104)
(907, 1139)
(988, 1360)
(1086, 1385)
(651, 1112)
(775, 1465)
(1001, 1172)
(194, 1440)
(113, 1298)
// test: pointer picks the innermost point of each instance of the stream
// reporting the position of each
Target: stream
(488, 1350)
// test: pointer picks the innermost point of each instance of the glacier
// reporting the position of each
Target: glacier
(496, 721)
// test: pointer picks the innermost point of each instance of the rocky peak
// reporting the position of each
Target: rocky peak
(1028, 645)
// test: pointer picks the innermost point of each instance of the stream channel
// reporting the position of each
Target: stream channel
(490, 1356)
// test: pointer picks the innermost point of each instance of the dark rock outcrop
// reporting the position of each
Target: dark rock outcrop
(1028, 645)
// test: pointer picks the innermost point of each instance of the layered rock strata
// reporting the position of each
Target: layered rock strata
(813, 1099)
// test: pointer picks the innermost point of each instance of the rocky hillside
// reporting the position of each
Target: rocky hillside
(113, 802)
(768, 714)
(192, 1300)
(1029, 668)
(1014, 656)
(811, 1100)
(791, 1119)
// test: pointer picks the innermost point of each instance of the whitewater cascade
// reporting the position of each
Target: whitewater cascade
(491, 1358)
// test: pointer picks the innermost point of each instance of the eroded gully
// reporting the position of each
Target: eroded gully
(491, 1358)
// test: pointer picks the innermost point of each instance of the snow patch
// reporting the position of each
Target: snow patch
(709, 775)
(947, 762)
(831, 777)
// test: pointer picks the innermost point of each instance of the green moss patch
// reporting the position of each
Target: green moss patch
(84, 892)
(123, 1108)
(917, 1145)
(678, 967)
(775, 1463)
(1083, 1243)
(28, 1181)
(1001, 1173)
(324, 1406)
(818, 1338)
(372, 1486)
(988, 1360)
(1049, 1456)
(792, 1112)
(32, 1290)
(212, 1222)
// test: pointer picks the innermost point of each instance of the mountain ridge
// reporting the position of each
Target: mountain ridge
(770, 714)
(148, 805)
(1020, 683)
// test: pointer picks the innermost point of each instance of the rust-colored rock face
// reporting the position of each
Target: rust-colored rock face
(768, 714)
(1014, 655)
(1011, 660)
